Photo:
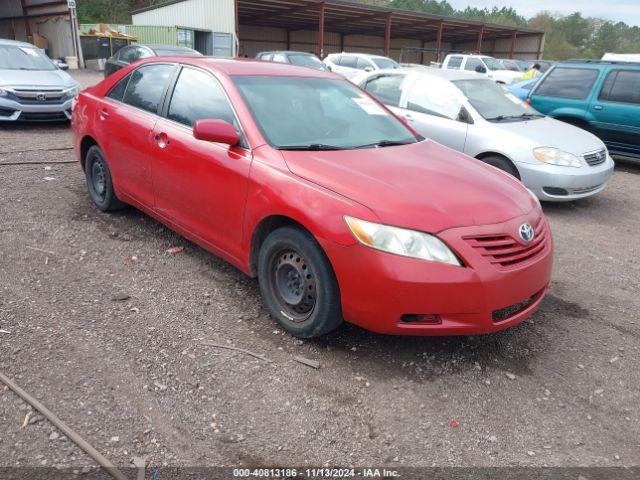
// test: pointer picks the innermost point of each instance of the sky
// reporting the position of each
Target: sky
(627, 11)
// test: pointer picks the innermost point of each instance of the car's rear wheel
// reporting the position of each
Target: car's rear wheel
(501, 163)
(297, 283)
(99, 182)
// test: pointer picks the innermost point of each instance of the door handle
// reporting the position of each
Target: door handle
(597, 107)
(104, 114)
(162, 140)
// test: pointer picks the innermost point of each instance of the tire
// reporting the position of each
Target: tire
(99, 181)
(501, 163)
(297, 283)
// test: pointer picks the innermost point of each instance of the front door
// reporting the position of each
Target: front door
(617, 112)
(434, 108)
(200, 185)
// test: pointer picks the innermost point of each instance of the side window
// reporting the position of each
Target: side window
(573, 83)
(349, 61)
(363, 63)
(280, 58)
(266, 57)
(472, 64)
(117, 91)
(454, 62)
(435, 97)
(127, 55)
(196, 96)
(147, 85)
(622, 86)
(386, 88)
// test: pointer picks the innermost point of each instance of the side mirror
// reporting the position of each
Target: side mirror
(217, 131)
(60, 64)
(368, 69)
(481, 69)
(328, 67)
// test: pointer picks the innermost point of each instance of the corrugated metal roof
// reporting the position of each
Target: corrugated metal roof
(356, 18)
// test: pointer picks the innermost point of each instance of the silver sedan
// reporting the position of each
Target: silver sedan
(32, 87)
(464, 111)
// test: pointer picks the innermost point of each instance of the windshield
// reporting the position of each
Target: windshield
(510, 65)
(492, 63)
(303, 113)
(24, 58)
(307, 61)
(493, 102)
(383, 63)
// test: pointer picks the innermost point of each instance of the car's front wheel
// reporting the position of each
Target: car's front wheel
(298, 284)
(99, 182)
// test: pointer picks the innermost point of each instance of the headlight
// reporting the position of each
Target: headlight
(400, 241)
(3, 92)
(73, 91)
(555, 156)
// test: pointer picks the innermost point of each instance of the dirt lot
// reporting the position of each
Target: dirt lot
(107, 329)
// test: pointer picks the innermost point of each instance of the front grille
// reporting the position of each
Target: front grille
(41, 97)
(596, 158)
(506, 252)
(513, 310)
(43, 116)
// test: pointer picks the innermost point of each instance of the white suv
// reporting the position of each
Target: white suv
(481, 64)
(350, 64)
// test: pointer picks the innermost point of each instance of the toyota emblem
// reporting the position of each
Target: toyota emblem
(526, 232)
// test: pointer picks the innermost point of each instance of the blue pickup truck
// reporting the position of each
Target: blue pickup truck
(602, 97)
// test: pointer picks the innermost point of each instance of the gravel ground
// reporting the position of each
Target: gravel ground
(108, 330)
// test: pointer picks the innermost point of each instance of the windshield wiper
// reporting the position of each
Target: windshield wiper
(385, 143)
(311, 147)
(512, 117)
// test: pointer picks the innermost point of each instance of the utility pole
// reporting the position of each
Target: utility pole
(75, 32)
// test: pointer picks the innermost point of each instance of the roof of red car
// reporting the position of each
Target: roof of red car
(246, 66)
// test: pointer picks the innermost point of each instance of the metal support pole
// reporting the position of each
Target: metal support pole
(321, 31)
(480, 38)
(514, 36)
(439, 40)
(387, 36)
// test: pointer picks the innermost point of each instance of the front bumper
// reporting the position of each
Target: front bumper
(14, 111)
(562, 184)
(378, 289)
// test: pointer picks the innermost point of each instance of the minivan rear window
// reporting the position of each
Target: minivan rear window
(573, 83)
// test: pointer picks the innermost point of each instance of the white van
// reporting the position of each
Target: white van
(481, 64)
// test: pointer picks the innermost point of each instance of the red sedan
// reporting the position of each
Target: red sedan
(301, 179)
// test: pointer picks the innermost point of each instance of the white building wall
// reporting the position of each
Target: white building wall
(214, 15)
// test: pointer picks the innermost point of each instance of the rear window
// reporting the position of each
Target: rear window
(454, 62)
(622, 86)
(573, 83)
(147, 85)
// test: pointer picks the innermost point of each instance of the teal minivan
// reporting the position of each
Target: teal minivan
(602, 97)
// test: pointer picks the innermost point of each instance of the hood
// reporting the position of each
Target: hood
(548, 132)
(36, 78)
(422, 186)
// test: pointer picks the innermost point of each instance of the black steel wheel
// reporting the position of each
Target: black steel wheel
(99, 181)
(298, 284)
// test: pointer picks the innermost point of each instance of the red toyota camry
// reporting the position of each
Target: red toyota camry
(300, 178)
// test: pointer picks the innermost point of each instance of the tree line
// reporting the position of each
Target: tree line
(568, 36)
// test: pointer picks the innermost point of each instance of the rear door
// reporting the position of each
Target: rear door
(434, 107)
(125, 120)
(616, 111)
(200, 185)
